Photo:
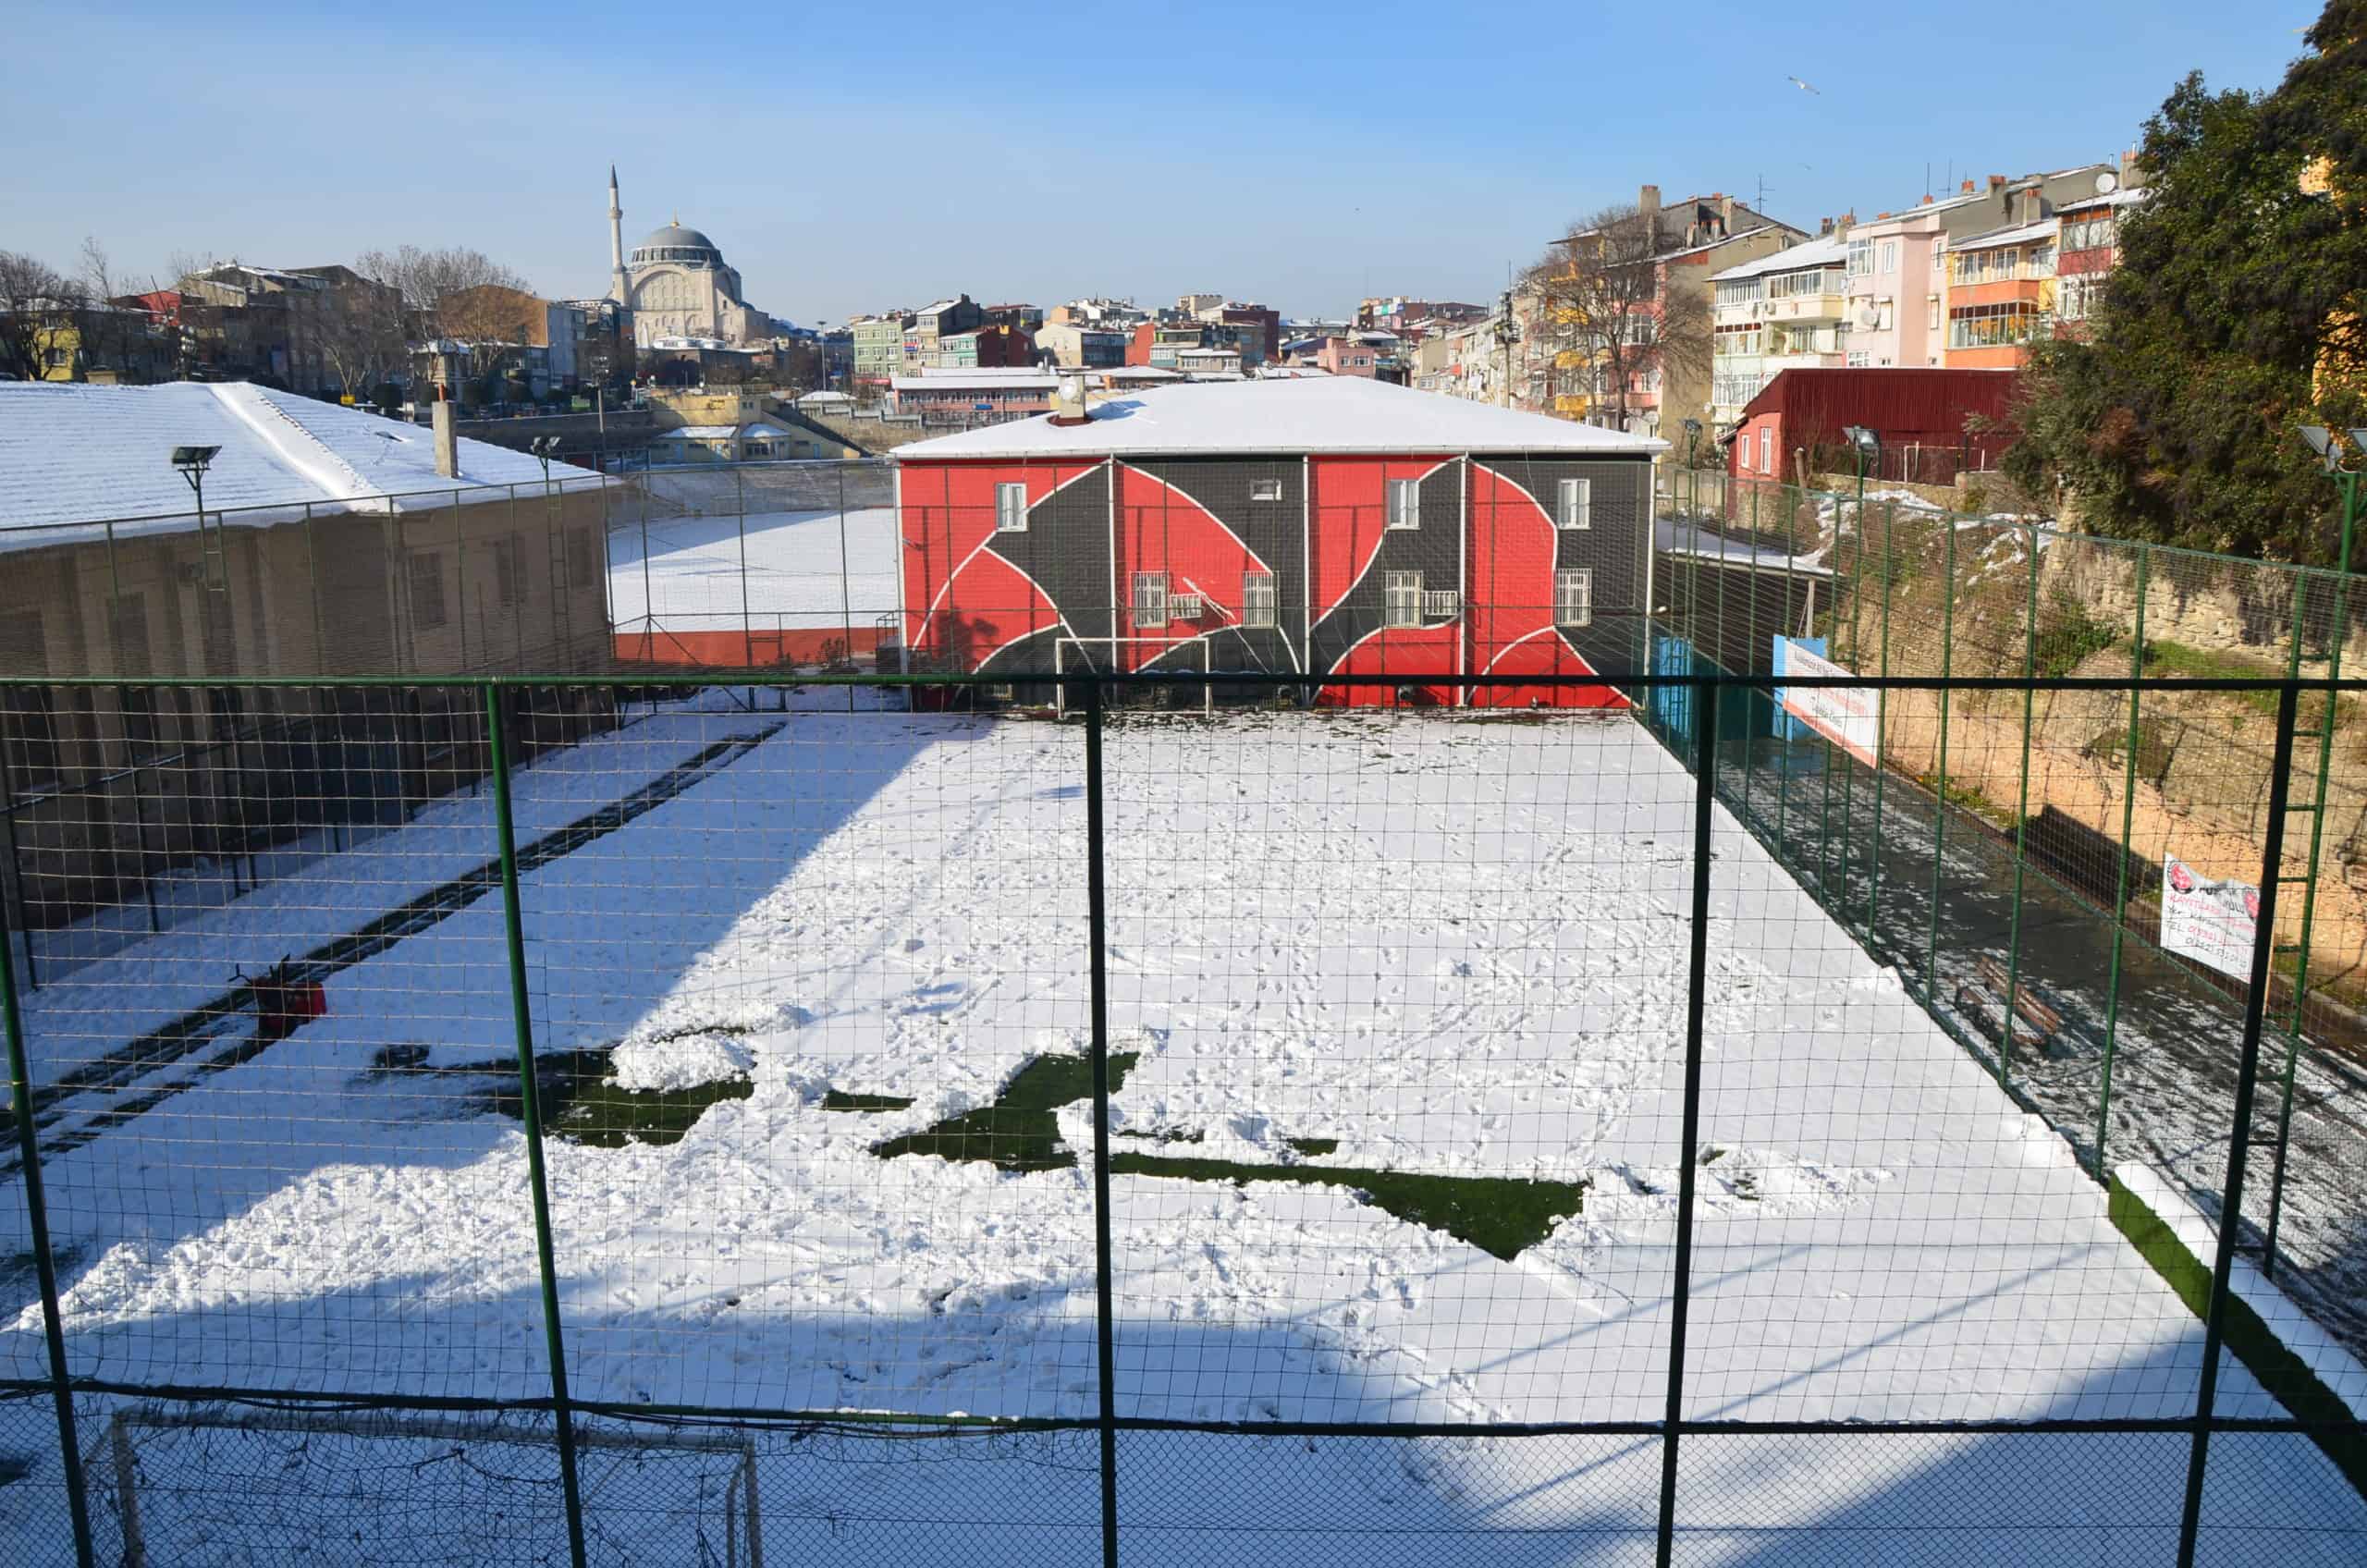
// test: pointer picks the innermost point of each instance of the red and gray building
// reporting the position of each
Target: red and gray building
(1299, 529)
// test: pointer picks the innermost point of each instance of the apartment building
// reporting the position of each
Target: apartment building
(1898, 266)
(2001, 295)
(1784, 311)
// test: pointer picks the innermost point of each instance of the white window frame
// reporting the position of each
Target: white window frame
(1265, 489)
(1149, 599)
(1011, 509)
(1574, 596)
(1400, 599)
(1766, 448)
(1260, 600)
(1573, 503)
(1405, 499)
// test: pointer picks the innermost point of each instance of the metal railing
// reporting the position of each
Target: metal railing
(1155, 1134)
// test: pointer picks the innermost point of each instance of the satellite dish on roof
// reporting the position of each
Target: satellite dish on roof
(1869, 317)
(2106, 183)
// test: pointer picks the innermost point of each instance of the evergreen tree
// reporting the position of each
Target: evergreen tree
(2238, 313)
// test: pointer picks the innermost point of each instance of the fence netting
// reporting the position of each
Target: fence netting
(865, 1117)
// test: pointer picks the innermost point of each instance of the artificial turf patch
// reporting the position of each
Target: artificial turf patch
(1501, 1216)
(834, 1101)
(1018, 1131)
(1498, 1215)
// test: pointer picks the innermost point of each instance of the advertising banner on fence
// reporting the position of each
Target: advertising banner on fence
(1848, 718)
(2208, 922)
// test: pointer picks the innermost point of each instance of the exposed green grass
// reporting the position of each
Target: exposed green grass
(2164, 657)
(2068, 634)
(834, 1101)
(1314, 1147)
(1019, 1131)
(579, 1103)
(1497, 1214)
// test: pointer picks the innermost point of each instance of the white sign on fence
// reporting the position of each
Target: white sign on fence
(2212, 923)
(1849, 716)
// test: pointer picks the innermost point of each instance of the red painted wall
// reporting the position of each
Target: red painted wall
(1163, 527)
(958, 595)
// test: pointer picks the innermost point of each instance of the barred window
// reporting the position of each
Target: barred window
(1402, 598)
(1150, 599)
(1572, 598)
(1258, 604)
(1265, 489)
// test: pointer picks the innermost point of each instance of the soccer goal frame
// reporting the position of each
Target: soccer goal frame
(1063, 644)
(114, 1455)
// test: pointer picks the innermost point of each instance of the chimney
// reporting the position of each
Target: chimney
(447, 440)
(1823, 228)
(1068, 398)
(1726, 213)
(1648, 201)
(1996, 183)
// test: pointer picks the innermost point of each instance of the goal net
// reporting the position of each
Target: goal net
(213, 1487)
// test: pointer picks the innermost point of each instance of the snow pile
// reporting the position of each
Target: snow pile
(678, 1061)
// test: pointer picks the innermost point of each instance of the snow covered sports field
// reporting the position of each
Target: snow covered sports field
(1398, 1016)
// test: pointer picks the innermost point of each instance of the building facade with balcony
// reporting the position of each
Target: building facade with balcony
(1769, 316)
(2001, 295)
(2087, 251)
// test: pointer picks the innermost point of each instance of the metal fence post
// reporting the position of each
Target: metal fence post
(2120, 895)
(1940, 816)
(1097, 969)
(1882, 721)
(530, 1108)
(20, 1103)
(1705, 767)
(2231, 1205)
(2021, 821)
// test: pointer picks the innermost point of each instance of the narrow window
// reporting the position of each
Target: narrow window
(1766, 448)
(1150, 599)
(1011, 509)
(1402, 598)
(1574, 506)
(427, 591)
(583, 565)
(508, 585)
(1265, 489)
(1572, 598)
(1404, 503)
(1258, 599)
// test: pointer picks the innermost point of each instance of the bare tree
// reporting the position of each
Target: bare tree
(1608, 320)
(426, 277)
(33, 296)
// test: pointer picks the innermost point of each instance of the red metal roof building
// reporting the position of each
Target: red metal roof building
(1805, 411)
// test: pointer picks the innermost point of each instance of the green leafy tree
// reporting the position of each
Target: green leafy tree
(2235, 316)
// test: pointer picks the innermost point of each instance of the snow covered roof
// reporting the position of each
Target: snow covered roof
(697, 431)
(2021, 234)
(1713, 244)
(2117, 199)
(1024, 375)
(1674, 536)
(78, 453)
(1320, 414)
(825, 398)
(953, 382)
(1823, 252)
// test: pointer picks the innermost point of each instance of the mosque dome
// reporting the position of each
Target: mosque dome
(675, 243)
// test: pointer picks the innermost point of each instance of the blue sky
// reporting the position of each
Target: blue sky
(849, 157)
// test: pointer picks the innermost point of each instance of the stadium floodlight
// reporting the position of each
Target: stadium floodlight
(2321, 441)
(2358, 439)
(192, 463)
(1864, 440)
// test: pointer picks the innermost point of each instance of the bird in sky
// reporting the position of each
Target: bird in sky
(1803, 86)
